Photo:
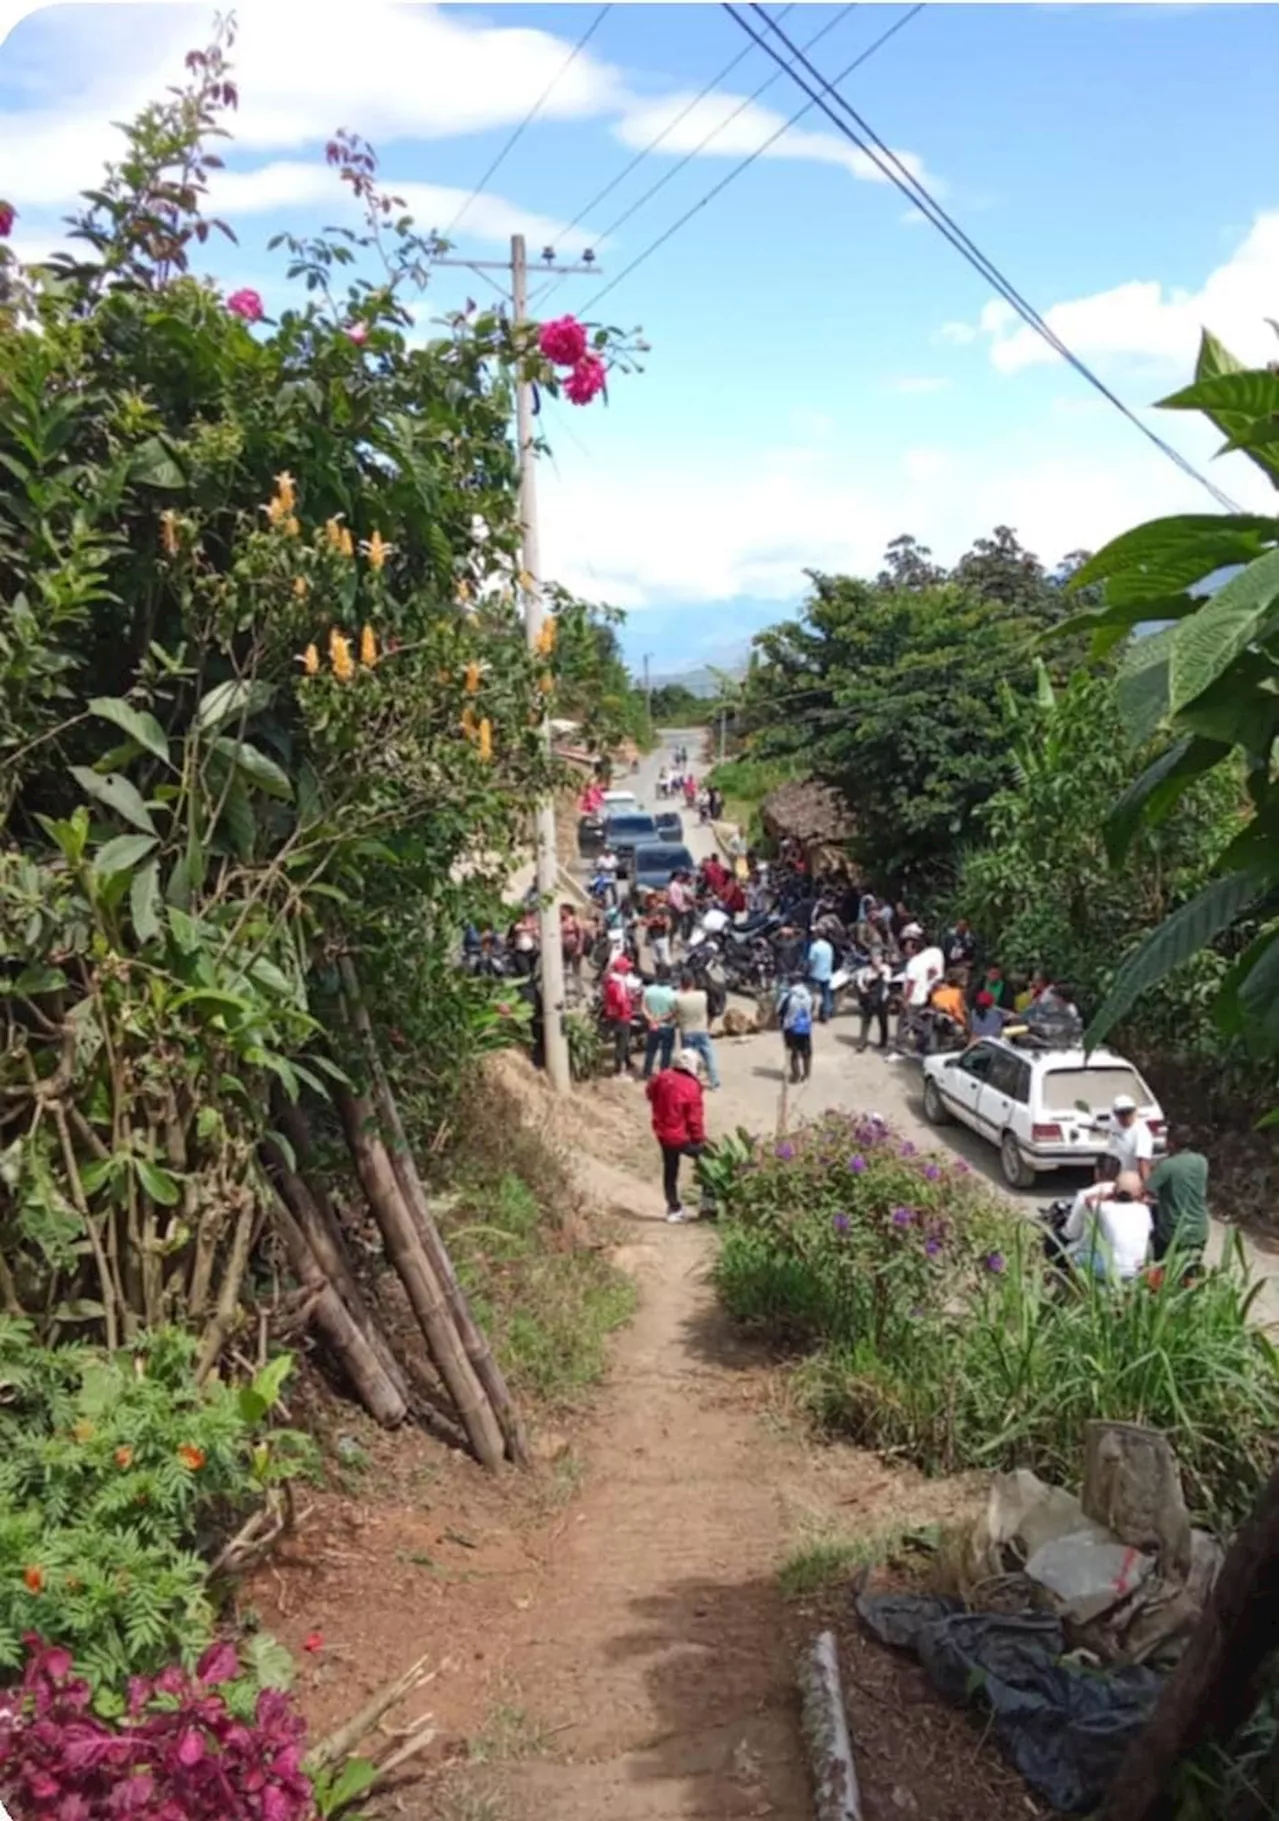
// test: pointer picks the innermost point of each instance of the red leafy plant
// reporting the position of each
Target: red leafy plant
(178, 1753)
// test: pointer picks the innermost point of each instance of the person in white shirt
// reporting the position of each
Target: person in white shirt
(1131, 1146)
(715, 920)
(1109, 1229)
(923, 970)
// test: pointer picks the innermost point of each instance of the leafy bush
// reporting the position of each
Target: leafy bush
(939, 1334)
(118, 1477)
(183, 1751)
(843, 1231)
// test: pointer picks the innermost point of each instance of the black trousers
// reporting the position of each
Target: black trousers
(671, 1155)
(799, 1053)
(880, 1014)
(619, 1031)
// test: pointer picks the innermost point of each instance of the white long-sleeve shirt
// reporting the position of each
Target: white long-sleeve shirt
(1110, 1237)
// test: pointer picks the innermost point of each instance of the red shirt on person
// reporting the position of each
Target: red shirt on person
(675, 1098)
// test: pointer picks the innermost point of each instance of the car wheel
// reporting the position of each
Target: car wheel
(1017, 1171)
(934, 1110)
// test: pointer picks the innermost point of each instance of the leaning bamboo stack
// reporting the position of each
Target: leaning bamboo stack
(313, 1241)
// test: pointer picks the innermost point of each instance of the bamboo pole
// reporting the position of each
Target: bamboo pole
(474, 1340)
(409, 1256)
(351, 1346)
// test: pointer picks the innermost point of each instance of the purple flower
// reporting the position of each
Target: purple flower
(784, 1152)
(906, 1148)
(931, 1172)
(932, 1246)
(903, 1217)
(995, 1262)
(841, 1223)
(960, 1167)
(857, 1164)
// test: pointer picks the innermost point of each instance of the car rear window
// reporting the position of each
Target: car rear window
(1097, 1087)
(664, 860)
(631, 828)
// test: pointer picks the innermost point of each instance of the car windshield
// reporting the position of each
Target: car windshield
(631, 828)
(1097, 1087)
(661, 862)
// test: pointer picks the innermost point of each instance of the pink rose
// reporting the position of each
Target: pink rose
(8, 215)
(247, 305)
(586, 380)
(563, 342)
(358, 332)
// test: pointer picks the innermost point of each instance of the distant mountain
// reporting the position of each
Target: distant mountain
(700, 682)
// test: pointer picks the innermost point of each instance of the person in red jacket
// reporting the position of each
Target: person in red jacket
(615, 1012)
(675, 1097)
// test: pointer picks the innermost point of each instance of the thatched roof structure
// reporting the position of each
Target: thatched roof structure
(809, 812)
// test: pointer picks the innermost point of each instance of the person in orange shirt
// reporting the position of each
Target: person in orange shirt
(948, 997)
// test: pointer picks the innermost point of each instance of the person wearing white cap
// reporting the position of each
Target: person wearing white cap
(676, 1110)
(1130, 1146)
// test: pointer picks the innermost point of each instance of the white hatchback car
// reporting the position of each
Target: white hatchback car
(1030, 1103)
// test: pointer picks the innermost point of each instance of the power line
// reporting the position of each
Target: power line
(531, 116)
(916, 192)
(702, 144)
(761, 149)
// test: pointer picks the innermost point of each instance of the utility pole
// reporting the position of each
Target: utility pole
(648, 687)
(552, 956)
(724, 715)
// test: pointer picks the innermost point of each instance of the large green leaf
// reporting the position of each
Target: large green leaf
(1241, 612)
(1240, 707)
(1259, 995)
(237, 696)
(136, 722)
(1168, 555)
(1192, 927)
(144, 901)
(256, 766)
(152, 465)
(1152, 795)
(116, 793)
(1250, 392)
(122, 854)
(1142, 686)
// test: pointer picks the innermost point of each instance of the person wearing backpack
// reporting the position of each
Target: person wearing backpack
(795, 1015)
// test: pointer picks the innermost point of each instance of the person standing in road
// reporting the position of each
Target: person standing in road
(795, 1015)
(1179, 1188)
(821, 965)
(922, 970)
(615, 1012)
(871, 983)
(659, 1007)
(1131, 1146)
(693, 1026)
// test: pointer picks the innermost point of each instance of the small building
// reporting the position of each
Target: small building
(815, 815)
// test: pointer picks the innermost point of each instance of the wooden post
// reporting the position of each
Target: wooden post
(1214, 1687)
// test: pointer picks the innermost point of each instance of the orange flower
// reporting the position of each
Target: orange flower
(124, 1458)
(276, 510)
(333, 533)
(311, 661)
(471, 678)
(368, 648)
(546, 641)
(301, 587)
(340, 657)
(191, 1457)
(545, 685)
(485, 746)
(285, 491)
(346, 544)
(169, 533)
(291, 527)
(468, 722)
(376, 550)
(34, 1578)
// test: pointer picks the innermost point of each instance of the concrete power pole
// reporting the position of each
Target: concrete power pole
(648, 687)
(531, 593)
(552, 955)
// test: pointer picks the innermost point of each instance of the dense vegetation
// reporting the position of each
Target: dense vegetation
(932, 1331)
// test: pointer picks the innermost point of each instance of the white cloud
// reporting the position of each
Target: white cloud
(646, 533)
(738, 133)
(1141, 320)
(293, 183)
(391, 72)
(956, 334)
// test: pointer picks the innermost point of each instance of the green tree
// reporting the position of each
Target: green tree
(1204, 688)
(891, 691)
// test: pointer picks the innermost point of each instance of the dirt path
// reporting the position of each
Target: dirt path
(655, 1659)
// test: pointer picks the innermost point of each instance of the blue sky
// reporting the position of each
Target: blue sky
(825, 371)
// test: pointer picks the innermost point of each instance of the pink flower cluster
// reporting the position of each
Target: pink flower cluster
(564, 343)
(8, 215)
(247, 305)
(178, 1754)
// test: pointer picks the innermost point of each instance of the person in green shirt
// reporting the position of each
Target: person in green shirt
(1178, 1189)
